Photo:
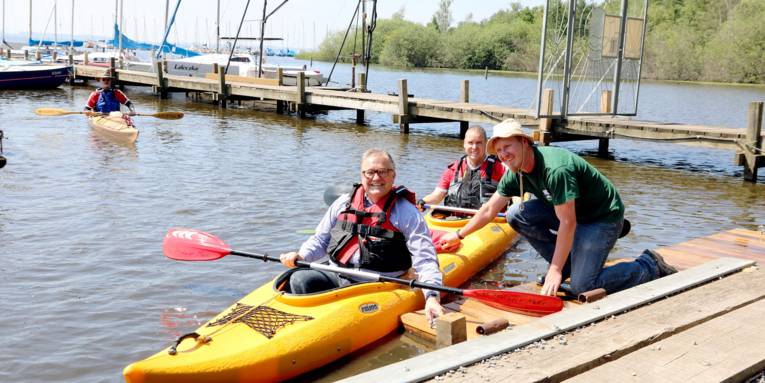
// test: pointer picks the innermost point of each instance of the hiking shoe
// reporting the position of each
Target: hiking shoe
(664, 267)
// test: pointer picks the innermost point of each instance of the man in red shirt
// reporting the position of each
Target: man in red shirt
(471, 180)
(106, 99)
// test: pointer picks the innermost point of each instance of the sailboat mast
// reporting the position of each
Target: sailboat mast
(120, 27)
(30, 21)
(262, 35)
(55, 23)
(71, 31)
(217, 30)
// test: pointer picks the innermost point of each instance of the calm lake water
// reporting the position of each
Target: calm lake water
(86, 289)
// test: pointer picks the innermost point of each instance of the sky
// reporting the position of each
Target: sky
(301, 23)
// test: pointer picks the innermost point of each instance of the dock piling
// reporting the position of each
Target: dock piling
(464, 97)
(55, 56)
(8, 54)
(85, 58)
(161, 83)
(753, 154)
(363, 82)
(545, 124)
(26, 54)
(300, 96)
(605, 107)
(222, 93)
(403, 107)
(38, 55)
(280, 76)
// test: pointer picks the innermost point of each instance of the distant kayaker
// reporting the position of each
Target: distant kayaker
(107, 99)
(378, 228)
(471, 180)
(573, 222)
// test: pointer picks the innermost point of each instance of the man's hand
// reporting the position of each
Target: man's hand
(420, 204)
(433, 309)
(288, 259)
(553, 280)
(449, 241)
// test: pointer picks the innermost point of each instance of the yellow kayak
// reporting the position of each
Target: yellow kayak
(270, 335)
(114, 127)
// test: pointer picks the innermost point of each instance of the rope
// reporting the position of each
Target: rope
(490, 116)
(203, 339)
(340, 51)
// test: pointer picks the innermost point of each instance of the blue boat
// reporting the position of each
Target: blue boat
(32, 76)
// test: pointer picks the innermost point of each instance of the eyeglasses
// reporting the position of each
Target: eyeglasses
(383, 173)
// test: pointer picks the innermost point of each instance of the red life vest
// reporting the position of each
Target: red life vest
(381, 246)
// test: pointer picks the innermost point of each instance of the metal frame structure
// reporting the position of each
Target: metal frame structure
(564, 104)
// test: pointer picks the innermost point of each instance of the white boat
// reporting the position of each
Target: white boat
(242, 64)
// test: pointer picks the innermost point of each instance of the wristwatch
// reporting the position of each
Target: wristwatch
(458, 234)
(434, 294)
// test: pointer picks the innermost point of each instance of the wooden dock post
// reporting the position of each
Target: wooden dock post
(55, 56)
(486, 73)
(300, 96)
(753, 154)
(362, 87)
(403, 107)
(73, 73)
(279, 82)
(547, 103)
(451, 329)
(85, 58)
(38, 55)
(8, 54)
(605, 107)
(222, 94)
(161, 82)
(464, 97)
(26, 54)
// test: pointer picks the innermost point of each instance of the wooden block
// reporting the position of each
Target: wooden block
(450, 329)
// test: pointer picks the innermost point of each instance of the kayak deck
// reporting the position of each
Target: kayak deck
(114, 127)
(270, 335)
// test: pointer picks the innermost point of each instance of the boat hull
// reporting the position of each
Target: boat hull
(45, 77)
(317, 328)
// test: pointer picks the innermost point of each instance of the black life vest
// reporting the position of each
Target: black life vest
(382, 247)
(471, 190)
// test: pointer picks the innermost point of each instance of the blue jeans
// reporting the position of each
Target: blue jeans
(308, 281)
(592, 243)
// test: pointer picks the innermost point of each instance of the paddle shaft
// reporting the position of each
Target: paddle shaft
(366, 275)
(457, 209)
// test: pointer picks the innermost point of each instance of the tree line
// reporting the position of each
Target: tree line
(692, 40)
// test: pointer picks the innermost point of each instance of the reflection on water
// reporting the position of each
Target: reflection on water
(82, 219)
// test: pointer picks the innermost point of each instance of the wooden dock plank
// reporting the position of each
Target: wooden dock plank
(727, 348)
(434, 363)
(609, 340)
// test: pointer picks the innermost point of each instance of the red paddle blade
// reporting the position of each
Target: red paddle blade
(516, 301)
(193, 245)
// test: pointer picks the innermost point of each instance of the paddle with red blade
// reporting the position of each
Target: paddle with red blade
(194, 245)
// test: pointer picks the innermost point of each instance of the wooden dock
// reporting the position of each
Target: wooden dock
(702, 324)
(406, 110)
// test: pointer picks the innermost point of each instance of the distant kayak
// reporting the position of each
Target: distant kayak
(114, 128)
(270, 335)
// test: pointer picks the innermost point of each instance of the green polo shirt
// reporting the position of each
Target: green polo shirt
(560, 176)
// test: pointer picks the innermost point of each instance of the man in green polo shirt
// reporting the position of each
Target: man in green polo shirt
(573, 221)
